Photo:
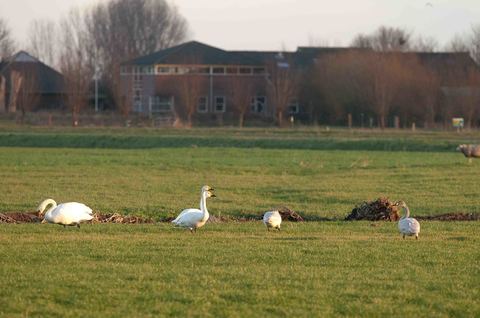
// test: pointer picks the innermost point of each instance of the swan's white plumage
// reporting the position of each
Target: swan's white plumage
(272, 219)
(195, 218)
(407, 225)
(70, 213)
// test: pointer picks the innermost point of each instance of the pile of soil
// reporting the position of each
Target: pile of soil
(452, 217)
(17, 217)
(381, 209)
(117, 218)
(289, 215)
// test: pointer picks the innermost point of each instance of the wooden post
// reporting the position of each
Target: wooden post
(350, 121)
(414, 127)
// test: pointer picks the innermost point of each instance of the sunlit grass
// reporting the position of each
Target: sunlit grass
(160, 182)
(239, 270)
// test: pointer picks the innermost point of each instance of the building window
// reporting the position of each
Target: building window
(293, 107)
(220, 104)
(258, 104)
(137, 101)
(259, 70)
(161, 104)
(245, 70)
(218, 70)
(163, 70)
(202, 106)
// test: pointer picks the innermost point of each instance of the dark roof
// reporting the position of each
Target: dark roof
(49, 80)
(194, 53)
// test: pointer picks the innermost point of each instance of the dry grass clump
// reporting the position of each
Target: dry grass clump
(118, 218)
(289, 215)
(381, 209)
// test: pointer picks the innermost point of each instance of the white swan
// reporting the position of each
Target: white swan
(407, 225)
(272, 219)
(195, 218)
(70, 213)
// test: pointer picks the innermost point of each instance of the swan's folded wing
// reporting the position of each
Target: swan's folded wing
(188, 217)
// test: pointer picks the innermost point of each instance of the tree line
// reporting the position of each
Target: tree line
(379, 81)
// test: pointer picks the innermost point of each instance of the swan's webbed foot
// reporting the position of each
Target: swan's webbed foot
(278, 228)
(403, 236)
(416, 237)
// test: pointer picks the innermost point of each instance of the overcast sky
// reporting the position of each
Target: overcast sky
(271, 24)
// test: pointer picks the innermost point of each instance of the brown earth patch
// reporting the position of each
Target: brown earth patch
(118, 218)
(381, 209)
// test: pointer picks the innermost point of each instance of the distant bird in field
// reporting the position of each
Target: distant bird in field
(470, 151)
(272, 219)
(192, 219)
(70, 213)
(407, 225)
(429, 4)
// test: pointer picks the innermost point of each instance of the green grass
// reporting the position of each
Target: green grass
(327, 269)
(237, 269)
(160, 182)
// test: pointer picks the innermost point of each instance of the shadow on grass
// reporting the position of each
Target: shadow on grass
(89, 140)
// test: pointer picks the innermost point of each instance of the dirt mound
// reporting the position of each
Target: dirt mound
(16, 217)
(381, 209)
(289, 215)
(452, 217)
(118, 218)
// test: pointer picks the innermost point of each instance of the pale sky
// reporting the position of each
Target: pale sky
(273, 24)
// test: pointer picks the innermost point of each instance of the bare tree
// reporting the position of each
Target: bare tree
(475, 44)
(3, 82)
(28, 96)
(457, 44)
(7, 45)
(75, 62)
(190, 88)
(15, 86)
(43, 41)
(424, 44)
(385, 39)
(282, 85)
(241, 92)
(125, 29)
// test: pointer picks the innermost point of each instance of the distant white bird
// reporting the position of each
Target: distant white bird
(407, 225)
(70, 213)
(469, 151)
(195, 218)
(272, 219)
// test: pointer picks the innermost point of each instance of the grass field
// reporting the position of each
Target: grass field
(238, 269)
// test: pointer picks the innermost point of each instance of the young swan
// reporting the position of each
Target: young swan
(469, 151)
(272, 219)
(70, 213)
(192, 219)
(407, 225)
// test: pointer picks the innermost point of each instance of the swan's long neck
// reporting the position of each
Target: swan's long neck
(203, 206)
(407, 212)
(45, 204)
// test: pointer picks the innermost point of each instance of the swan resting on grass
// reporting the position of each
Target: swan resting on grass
(407, 225)
(272, 219)
(70, 213)
(192, 219)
